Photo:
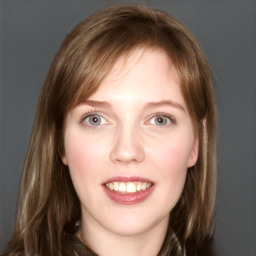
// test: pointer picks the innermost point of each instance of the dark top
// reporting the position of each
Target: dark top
(73, 246)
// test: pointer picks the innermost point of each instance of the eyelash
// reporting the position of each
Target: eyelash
(96, 113)
(89, 114)
(171, 119)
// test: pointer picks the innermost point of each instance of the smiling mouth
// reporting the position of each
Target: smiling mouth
(128, 187)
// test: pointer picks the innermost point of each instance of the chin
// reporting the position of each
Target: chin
(135, 224)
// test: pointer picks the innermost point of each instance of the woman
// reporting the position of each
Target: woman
(122, 154)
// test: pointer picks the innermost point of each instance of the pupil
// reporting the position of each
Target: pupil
(95, 119)
(160, 120)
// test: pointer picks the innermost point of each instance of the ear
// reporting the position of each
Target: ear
(64, 160)
(194, 153)
(62, 155)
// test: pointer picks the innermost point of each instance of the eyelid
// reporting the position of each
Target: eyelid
(162, 114)
(91, 113)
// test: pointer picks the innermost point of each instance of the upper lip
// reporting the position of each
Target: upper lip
(127, 179)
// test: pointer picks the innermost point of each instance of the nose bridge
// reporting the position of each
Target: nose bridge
(128, 146)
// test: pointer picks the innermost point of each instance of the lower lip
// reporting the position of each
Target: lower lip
(128, 198)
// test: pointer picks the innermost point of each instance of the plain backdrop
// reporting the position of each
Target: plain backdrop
(31, 33)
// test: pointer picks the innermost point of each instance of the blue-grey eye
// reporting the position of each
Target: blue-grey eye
(160, 120)
(95, 120)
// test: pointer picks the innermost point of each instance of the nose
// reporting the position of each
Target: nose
(128, 146)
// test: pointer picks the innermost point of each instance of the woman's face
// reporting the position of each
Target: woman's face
(129, 145)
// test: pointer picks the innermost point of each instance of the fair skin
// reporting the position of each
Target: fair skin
(134, 131)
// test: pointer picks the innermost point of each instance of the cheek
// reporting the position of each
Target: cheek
(171, 159)
(171, 162)
(81, 157)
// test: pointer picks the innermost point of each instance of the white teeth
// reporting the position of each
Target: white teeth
(115, 186)
(129, 187)
(122, 187)
(144, 186)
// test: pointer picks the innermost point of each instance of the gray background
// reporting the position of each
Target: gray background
(31, 32)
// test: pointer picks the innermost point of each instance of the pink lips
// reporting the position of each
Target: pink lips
(128, 198)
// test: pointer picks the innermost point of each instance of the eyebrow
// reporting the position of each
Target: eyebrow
(168, 103)
(96, 103)
(149, 105)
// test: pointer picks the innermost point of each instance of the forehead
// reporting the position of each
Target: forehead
(144, 71)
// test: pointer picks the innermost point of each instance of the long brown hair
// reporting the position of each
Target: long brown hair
(48, 204)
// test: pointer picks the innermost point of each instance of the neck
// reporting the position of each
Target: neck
(107, 243)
